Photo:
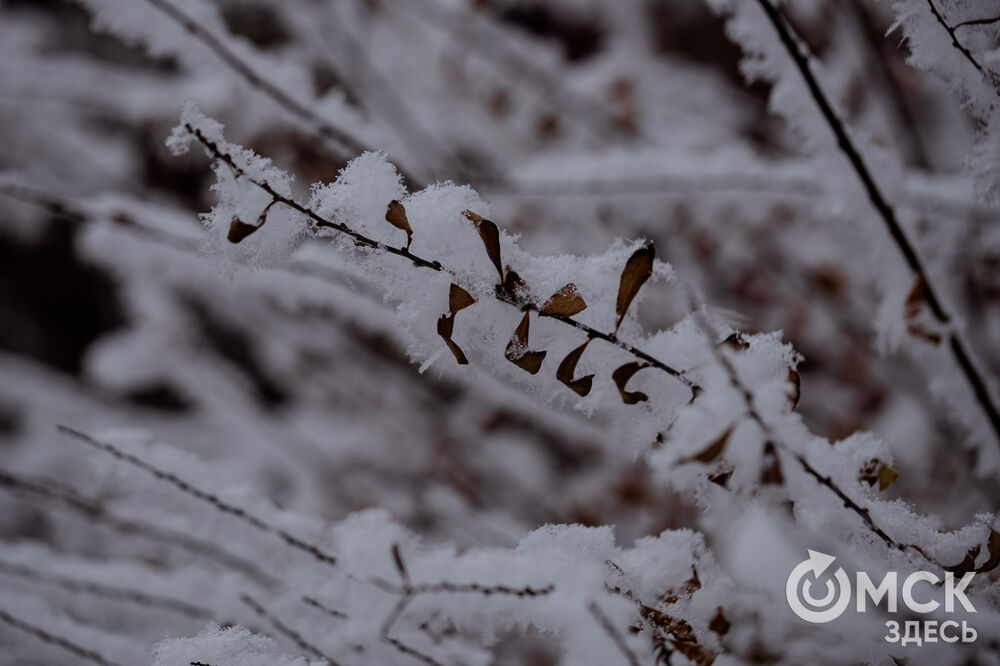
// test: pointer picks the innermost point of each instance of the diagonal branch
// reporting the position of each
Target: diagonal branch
(422, 262)
(344, 144)
(185, 487)
(989, 76)
(60, 642)
(111, 592)
(962, 355)
(95, 513)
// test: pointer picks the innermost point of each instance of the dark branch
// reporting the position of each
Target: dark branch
(421, 262)
(201, 495)
(962, 356)
(52, 639)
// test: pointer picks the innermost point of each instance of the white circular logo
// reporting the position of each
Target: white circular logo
(831, 604)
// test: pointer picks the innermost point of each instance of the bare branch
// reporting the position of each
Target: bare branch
(52, 639)
(111, 592)
(201, 495)
(962, 356)
(285, 630)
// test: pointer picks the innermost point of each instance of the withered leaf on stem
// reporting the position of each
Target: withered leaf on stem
(969, 562)
(566, 302)
(771, 474)
(638, 269)
(885, 475)
(458, 299)
(713, 450)
(514, 286)
(993, 546)
(719, 624)
(517, 349)
(721, 478)
(621, 375)
(567, 368)
(490, 234)
(796, 391)
(915, 299)
(395, 215)
(238, 230)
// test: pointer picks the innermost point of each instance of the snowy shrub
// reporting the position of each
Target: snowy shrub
(432, 339)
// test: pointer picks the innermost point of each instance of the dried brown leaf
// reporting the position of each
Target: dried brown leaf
(458, 298)
(796, 390)
(457, 351)
(622, 375)
(722, 478)
(567, 368)
(565, 303)
(490, 234)
(395, 215)
(771, 474)
(517, 349)
(885, 475)
(915, 299)
(735, 342)
(993, 546)
(514, 286)
(920, 331)
(713, 450)
(238, 230)
(638, 269)
(719, 624)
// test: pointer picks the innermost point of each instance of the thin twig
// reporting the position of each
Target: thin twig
(826, 481)
(615, 635)
(111, 592)
(52, 639)
(421, 262)
(208, 498)
(885, 210)
(461, 26)
(989, 76)
(46, 489)
(332, 612)
(981, 21)
(345, 145)
(285, 630)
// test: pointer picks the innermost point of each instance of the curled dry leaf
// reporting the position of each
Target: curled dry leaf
(719, 624)
(796, 389)
(771, 474)
(458, 299)
(886, 475)
(514, 286)
(968, 563)
(915, 299)
(876, 471)
(567, 369)
(395, 215)
(638, 269)
(490, 234)
(564, 303)
(735, 342)
(517, 349)
(238, 229)
(721, 478)
(621, 375)
(912, 308)
(713, 450)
